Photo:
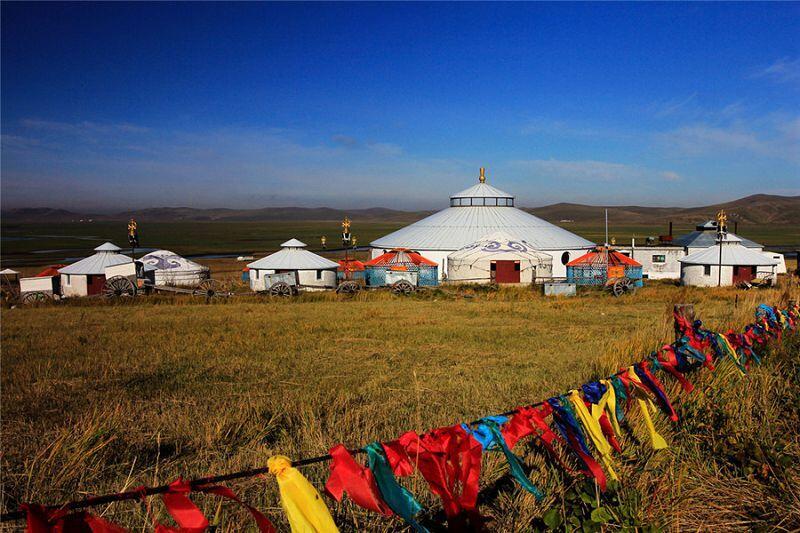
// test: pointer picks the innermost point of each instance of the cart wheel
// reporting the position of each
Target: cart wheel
(348, 287)
(30, 298)
(622, 286)
(119, 287)
(280, 289)
(402, 287)
(208, 288)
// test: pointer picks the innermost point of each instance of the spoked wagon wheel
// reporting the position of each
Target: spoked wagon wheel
(402, 287)
(208, 288)
(280, 289)
(622, 286)
(348, 287)
(35, 298)
(119, 287)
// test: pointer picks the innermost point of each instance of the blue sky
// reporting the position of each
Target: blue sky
(109, 106)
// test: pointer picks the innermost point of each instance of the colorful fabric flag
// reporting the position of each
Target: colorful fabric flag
(400, 500)
(303, 505)
(356, 480)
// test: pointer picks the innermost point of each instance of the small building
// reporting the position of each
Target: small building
(499, 258)
(174, 270)
(87, 276)
(311, 271)
(398, 264)
(602, 264)
(658, 262)
(726, 263)
(351, 269)
(9, 283)
(661, 259)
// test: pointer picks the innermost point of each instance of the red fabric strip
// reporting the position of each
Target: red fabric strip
(356, 480)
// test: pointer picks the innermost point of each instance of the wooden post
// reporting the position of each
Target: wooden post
(686, 311)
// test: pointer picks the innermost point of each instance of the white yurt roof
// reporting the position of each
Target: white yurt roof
(107, 255)
(8, 272)
(498, 245)
(482, 190)
(108, 247)
(167, 260)
(460, 225)
(293, 256)
(733, 254)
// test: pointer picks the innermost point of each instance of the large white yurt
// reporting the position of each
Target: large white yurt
(174, 270)
(312, 270)
(499, 258)
(87, 276)
(738, 264)
(478, 211)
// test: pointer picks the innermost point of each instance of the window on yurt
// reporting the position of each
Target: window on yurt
(66, 279)
(565, 258)
(659, 259)
(706, 270)
(319, 274)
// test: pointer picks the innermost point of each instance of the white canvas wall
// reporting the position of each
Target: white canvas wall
(73, 285)
(440, 257)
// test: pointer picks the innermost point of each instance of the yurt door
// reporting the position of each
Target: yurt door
(94, 284)
(506, 271)
(743, 273)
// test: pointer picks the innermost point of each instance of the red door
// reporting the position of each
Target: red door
(743, 273)
(94, 284)
(506, 271)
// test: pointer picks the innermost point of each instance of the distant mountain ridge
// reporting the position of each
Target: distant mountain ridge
(755, 209)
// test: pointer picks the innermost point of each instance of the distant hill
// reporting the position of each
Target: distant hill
(756, 209)
(177, 214)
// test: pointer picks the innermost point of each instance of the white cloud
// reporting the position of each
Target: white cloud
(590, 171)
(773, 136)
(670, 176)
(785, 70)
(670, 107)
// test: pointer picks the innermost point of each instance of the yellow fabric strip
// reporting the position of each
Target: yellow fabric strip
(609, 403)
(731, 351)
(304, 507)
(657, 440)
(594, 431)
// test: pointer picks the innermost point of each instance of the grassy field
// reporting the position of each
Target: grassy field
(39, 244)
(99, 398)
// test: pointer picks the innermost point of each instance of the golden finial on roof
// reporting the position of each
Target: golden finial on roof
(722, 221)
(346, 225)
(482, 178)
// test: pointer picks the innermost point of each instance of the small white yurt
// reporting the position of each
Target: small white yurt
(499, 258)
(739, 264)
(173, 270)
(87, 276)
(312, 271)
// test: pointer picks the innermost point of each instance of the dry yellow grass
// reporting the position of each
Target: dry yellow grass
(100, 398)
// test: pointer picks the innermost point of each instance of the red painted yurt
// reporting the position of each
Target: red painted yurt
(600, 265)
(401, 259)
(350, 269)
